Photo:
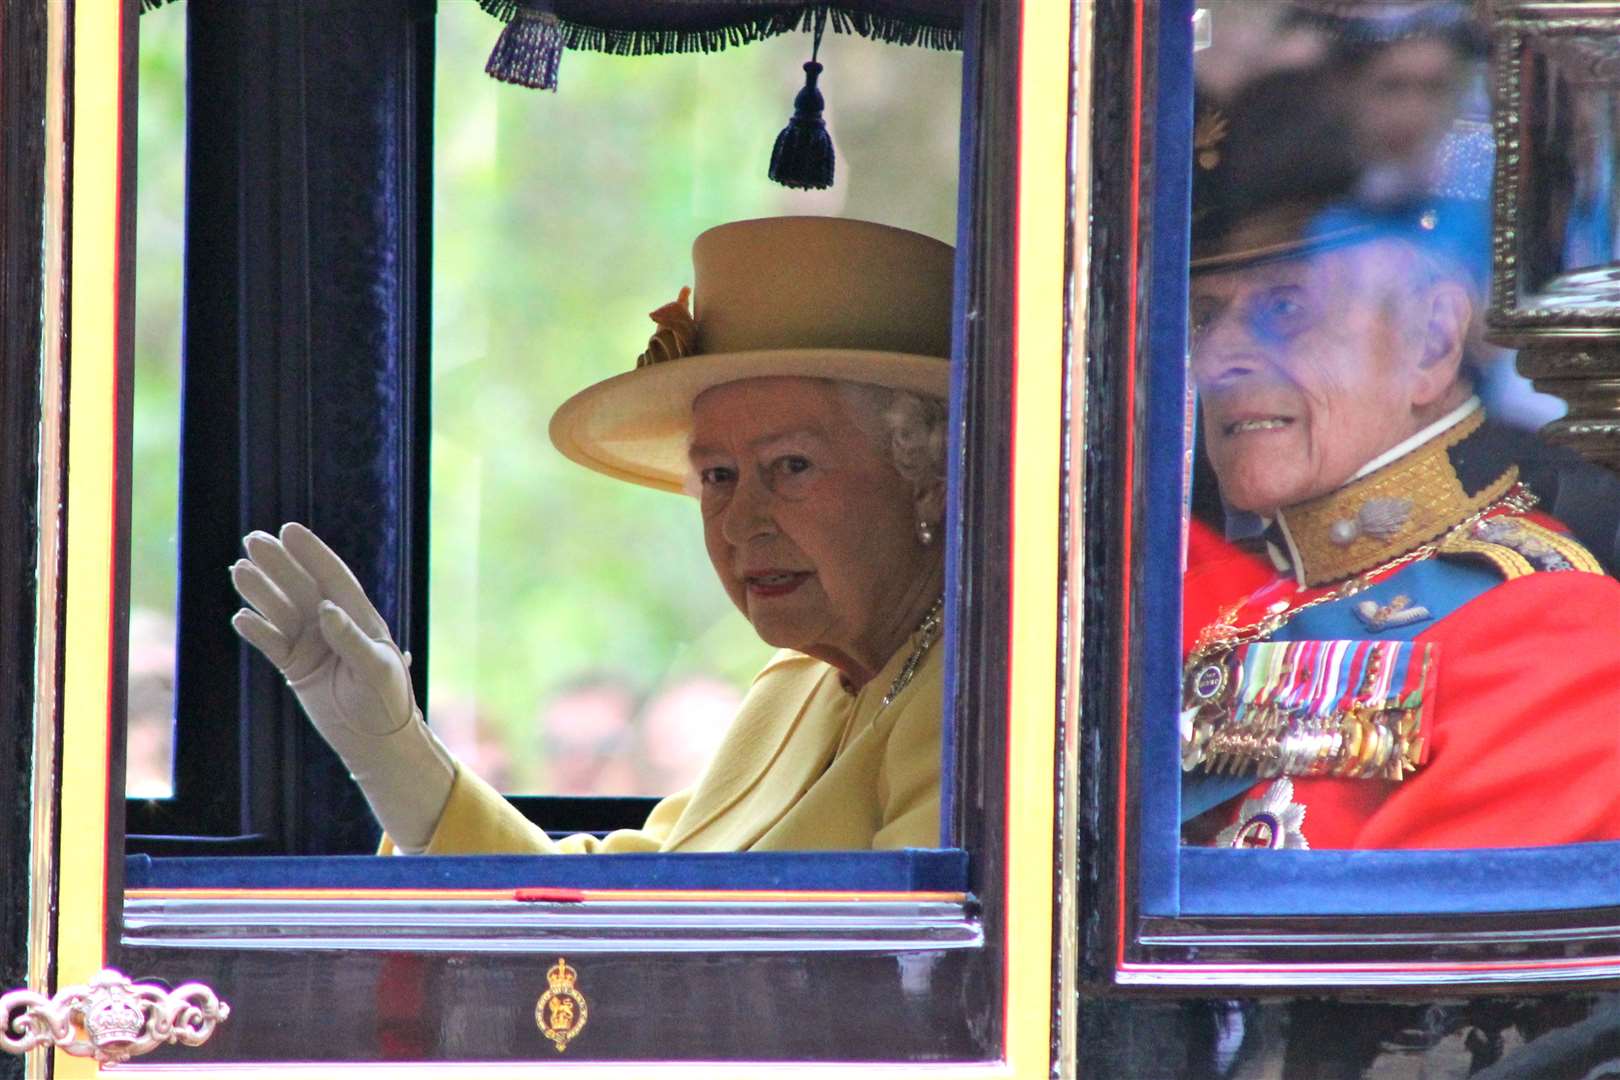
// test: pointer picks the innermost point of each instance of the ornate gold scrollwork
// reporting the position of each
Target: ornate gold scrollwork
(1586, 374)
(110, 1019)
(1564, 323)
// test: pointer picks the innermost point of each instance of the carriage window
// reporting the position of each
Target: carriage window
(1400, 671)
(585, 637)
(579, 642)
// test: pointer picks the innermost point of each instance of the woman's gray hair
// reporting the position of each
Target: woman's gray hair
(911, 426)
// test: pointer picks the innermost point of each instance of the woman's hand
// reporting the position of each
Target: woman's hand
(312, 620)
(310, 617)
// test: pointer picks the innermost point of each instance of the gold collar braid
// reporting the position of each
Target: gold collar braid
(1387, 513)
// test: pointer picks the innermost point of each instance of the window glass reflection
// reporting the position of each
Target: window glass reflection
(155, 472)
(1398, 611)
(1570, 204)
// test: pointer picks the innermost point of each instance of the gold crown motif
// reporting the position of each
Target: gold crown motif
(561, 977)
(561, 1011)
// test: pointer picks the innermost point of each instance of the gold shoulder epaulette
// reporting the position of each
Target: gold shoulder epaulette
(1517, 546)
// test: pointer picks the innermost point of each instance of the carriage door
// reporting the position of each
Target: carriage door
(237, 920)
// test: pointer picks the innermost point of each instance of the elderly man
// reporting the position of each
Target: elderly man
(1429, 661)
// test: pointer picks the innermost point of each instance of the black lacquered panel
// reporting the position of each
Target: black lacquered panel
(706, 1000)
(1492, 1038)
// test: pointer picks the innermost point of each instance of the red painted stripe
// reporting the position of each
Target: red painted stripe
(1133, 238)
(118, 465)
(548, 894)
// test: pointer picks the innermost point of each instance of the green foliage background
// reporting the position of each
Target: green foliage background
(560, 220)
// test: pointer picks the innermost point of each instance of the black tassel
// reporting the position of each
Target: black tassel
(529, 50)
(803, 155)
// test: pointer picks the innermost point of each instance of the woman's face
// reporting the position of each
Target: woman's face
(811, 529)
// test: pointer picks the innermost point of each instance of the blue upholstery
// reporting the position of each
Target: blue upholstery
(1159, 599)
(961, 282)
(865, 871)
(1225, 882)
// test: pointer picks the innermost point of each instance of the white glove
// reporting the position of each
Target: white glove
(311, 619)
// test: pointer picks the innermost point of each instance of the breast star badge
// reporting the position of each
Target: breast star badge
(1270, 822)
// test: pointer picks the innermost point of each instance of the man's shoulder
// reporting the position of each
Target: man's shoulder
(1488, 559)
(1540, 584)
(1583, 496)
(1516, 546)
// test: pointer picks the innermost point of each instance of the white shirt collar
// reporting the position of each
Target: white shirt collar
(1406, 446)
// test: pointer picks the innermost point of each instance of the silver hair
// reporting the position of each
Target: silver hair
(913, 427)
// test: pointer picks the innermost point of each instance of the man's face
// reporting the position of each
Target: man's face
(1307, 369)
(1404, 98)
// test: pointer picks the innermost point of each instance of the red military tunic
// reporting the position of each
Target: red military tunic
(1523, 729)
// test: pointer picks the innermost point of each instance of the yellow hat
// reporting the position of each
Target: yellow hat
(818, 297)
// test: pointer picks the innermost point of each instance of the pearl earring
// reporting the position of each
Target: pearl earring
(925, 533)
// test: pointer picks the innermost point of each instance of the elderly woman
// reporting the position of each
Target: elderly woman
(802, 404)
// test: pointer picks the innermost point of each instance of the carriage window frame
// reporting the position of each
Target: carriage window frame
(970, 972)
(1251, 918)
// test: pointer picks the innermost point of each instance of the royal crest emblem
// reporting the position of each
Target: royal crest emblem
(561, 1012)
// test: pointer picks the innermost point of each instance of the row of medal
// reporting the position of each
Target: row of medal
(1309, 708)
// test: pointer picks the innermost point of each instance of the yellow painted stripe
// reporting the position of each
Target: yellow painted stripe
(93, 329)
(1037, 399)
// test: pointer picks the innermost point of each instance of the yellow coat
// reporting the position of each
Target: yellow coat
(805, 765)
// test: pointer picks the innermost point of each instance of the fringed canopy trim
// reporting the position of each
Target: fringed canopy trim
(689, 26)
